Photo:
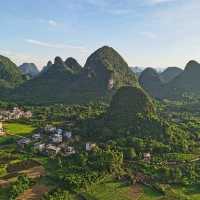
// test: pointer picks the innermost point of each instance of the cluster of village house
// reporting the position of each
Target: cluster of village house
(15, 113)
(52, 141)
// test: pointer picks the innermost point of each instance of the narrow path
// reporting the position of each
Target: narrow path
(136, 192)
(34, 193)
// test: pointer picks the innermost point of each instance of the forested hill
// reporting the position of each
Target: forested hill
(10, 75)
(67, 82)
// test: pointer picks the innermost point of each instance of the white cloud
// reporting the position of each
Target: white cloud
(19, 58)
(52, 23)
(55, 46)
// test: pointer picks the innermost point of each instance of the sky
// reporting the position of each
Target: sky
(148, 33)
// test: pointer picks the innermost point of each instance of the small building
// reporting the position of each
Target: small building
(57, 138)
(50, 128)
(110, 84)
(23, 142)
(59, 131)
(52, 149)
(28, 114)
(147, 157)
(36, 136)
(89, 146)
(67, 134)
(69, 150)
(1, 129)
(39, 147)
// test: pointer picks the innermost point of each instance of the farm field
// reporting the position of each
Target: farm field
(18, 129)
(111, 189)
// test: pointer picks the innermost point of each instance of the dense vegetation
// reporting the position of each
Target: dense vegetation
(10, 75)
(169, 74)
(183, 84)
(150, 81)
(143, 148)
(117, 163)
(67, 82)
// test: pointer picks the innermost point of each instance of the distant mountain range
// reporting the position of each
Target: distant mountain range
(173, 83)
(137, 70)
(29, 69)
(170, 73)
(104, 73)
(150, 81)
(68, 82)
(187, 83)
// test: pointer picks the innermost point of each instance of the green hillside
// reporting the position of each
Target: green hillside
(151, 82)
(10, 74)
(105, 71)
(170, 73)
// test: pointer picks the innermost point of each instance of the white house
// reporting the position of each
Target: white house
(50, 128)
(147, 156)
(52, 149)
(57, 138)
(59, 131)
(36, 136)
(28, 114)
(67, 134)
(39, 146)
(110, 84)
(69, 150)
(89, 146)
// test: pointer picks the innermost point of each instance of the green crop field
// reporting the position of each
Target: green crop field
(19, 129)
(109, 190)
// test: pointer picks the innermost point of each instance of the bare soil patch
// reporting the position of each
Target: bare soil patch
(33, 173)
(34, 193)
(136, 192)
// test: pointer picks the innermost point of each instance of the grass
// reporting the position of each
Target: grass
(18, 129)
(4, 193)
(193, 191)
(149, 194)
(108, 190)
(181, 156)
(116, 190)
(5, 140)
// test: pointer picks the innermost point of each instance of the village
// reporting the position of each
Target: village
(51, 141)
(14, 114)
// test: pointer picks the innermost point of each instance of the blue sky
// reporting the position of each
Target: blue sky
(156, 33)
